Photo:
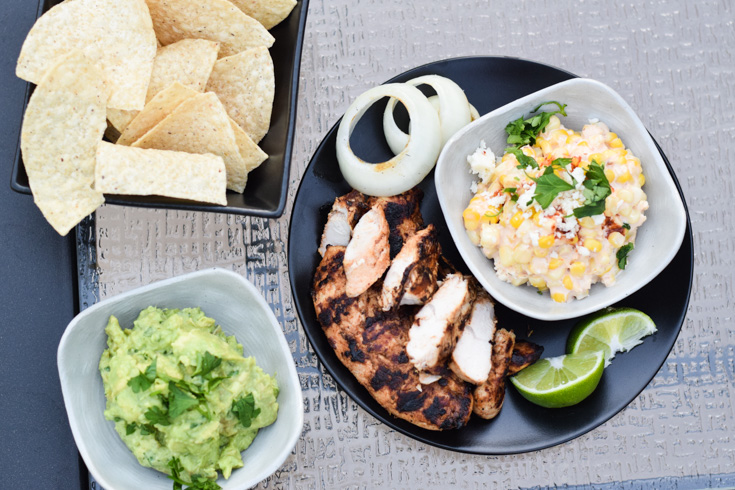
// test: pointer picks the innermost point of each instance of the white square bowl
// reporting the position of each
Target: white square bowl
(237, 306)
(658, 239)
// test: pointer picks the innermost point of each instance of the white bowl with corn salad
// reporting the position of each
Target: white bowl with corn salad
(561, 212)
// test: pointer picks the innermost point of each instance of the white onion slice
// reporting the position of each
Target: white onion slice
(453, 107)
(411, 164)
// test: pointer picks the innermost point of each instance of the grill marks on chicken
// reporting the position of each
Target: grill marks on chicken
(411, 279)
(415, 361)
(371, 344)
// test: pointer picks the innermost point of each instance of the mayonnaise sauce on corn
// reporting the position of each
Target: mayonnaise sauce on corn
(550, 248)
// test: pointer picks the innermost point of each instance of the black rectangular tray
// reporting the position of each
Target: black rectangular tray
(267, 188)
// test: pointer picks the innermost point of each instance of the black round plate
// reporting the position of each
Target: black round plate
(489, 82)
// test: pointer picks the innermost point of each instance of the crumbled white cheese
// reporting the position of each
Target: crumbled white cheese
(482, 162)
(583, 251)
(525, 200)
(496, 201)
(598, 219)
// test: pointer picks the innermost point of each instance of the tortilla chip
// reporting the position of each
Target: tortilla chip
(120, 118)
(188, 62)
(63, 124)
(116, 35)
(155, 111)
(245, 84)
(216, 20)
(200, 125)
(267, 12)
(251, 153)
(139, 172)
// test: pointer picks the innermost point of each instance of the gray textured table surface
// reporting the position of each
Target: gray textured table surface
(671, 60)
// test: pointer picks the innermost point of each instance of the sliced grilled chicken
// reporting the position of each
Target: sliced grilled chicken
(525, 353)
(437, 325)
(411, 279)
(471, 358)
(403, 215)
(367, 256)
(345, 213)
(489, 396)
(372, 345)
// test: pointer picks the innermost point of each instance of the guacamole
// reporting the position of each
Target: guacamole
(181, 394)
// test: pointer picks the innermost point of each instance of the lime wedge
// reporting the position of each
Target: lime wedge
(560, 381)
(611, 330)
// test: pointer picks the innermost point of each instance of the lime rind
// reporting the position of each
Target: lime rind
(612, 330)
(560, 381)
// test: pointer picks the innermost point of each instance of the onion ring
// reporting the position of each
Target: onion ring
(454, 111)
(411, 164)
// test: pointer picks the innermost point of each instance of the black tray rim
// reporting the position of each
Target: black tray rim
(165, 203)
(391, 421)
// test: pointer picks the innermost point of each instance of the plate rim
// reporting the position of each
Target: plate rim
(391, 421)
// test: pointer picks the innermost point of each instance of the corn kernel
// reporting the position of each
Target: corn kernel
(474, 237)
(583, 143)
(558, 134)
(471, 219)
(592, 245)
(624, 177)
(578, 268)
(616, 143)
(537, 282)
(559, 297)
(595, 157)
(574, 240)
(537, 219)
(555, 275)
(492, 215)
(634, 216)
(544, 146)
(516, 220)
(522, 254)
(546, 241)
(506, 256)
(587, 233)
(489, 237)
(568, 283)
(616, 239)
(608, 155)
(554, 123)
(636, 161)
(609, 175)
(554, 263)
(625, 195)
(587, 222)
(540, 252)
(625, 210)
(611, 136)
(641, 180)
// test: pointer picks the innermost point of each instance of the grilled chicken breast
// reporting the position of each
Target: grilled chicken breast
(489, 396)
(525, 353)
(371, 343)
(411, 279)
(403, 215)
(437, 325)
(471, 358)
(367, 256)
(344, 215)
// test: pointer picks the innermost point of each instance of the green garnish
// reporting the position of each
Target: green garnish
(512, 192)
(245, 410)
(179, 401)
(523, 159)
(130, 428)
(622, 255)
(548, 186)
(199, 483)
(626, 226)
(596, 189)
(144, 380)
(157, 416)
(523, 132)
(208, 364)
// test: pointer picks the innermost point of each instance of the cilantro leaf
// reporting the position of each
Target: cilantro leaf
(512, 192)
(626, 226)
(523, 132)
(523, 159)
(245, 410)
(622, 255)
(198, 483)
(548, 186)
(596, 189)
(144, 380)
(208, 364)
(130, 428)
(214, 382)
(179, 401)
(157, 416)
